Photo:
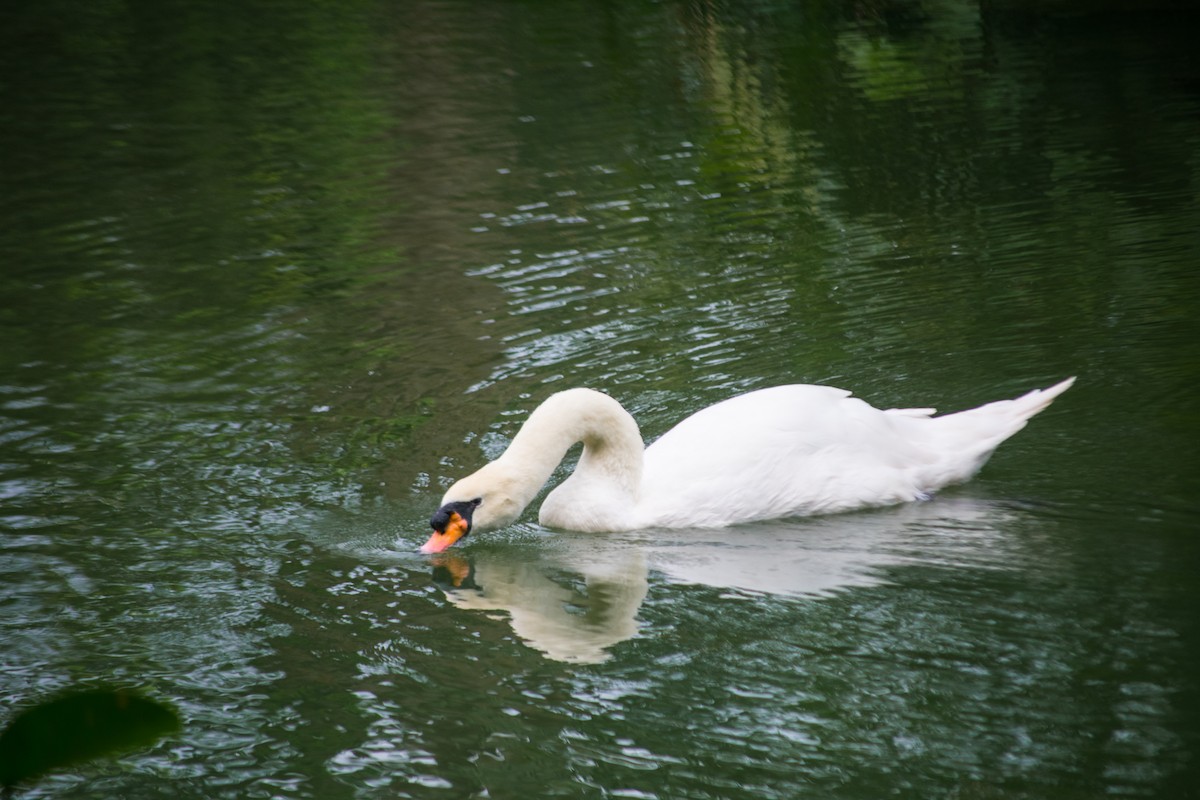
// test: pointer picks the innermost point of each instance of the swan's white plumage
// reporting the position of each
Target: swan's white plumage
(778, 452)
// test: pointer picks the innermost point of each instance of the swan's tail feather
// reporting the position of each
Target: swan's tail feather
(977, 432)
(1020, 409)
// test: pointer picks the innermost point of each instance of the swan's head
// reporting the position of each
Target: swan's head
(450, 523)
(489, 498)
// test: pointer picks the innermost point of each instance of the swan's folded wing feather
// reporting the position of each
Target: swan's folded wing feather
(917, 413)
(790, 450)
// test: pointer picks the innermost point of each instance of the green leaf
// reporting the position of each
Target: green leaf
(79, 726)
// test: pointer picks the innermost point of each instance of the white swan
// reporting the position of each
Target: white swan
(780, 452)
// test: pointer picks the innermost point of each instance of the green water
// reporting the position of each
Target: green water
(272, 277)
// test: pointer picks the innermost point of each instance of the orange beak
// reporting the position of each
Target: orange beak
(456, 528)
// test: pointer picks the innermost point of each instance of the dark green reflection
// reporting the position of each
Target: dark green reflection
(271, 276)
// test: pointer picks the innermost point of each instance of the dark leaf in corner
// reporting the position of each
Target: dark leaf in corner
(79, 726)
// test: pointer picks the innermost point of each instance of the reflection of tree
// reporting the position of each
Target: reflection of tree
(199, 206)
(938, 145)
(233, 286)
(239, 274)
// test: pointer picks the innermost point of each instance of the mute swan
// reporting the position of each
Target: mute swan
(781, 452)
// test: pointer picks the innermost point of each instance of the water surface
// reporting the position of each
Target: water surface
(273, 278)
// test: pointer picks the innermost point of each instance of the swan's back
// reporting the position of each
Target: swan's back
(800, 450)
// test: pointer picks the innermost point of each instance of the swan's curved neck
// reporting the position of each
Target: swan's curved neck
(610, 466)
(612, 443)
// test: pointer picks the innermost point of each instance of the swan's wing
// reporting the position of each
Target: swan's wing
(789, 450)
(918, 413)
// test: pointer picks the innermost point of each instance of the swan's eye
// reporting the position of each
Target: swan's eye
(478, 501)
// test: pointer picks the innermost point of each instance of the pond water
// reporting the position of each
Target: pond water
(274, 276)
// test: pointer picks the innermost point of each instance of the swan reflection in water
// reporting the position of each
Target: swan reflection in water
(591, 606)
(573, 596)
